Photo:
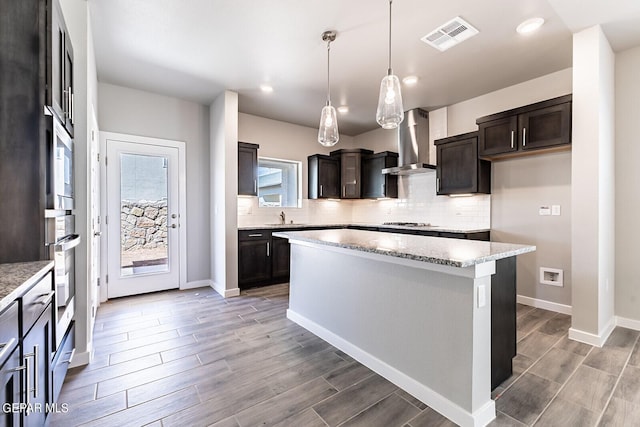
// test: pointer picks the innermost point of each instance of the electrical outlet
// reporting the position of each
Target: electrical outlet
(544, 211)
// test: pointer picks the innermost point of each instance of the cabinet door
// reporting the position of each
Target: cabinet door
(247, 171)
(498, 136)
(457, 170)
(57, 75)
(350, 175)
(372, 179)
(254, 261)
(36, 357)
(280, 258)
(545, 127)
(10, 373)
(68, 84)
(328, 178)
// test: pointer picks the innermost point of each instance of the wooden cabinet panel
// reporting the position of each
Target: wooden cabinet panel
(280, 258)
(459, 170)
(541, 126)
(374, 183)
(324, 177)
(350, 171)
(60, 74)
(254, 262)
(10, 388)
(61, 361)
(247, 169)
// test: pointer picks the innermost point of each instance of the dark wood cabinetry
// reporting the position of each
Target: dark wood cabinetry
(254, 260)
(350, 171)
(324, 177)
(375, 184)
(247, 169)
(280, 259)
(60, 88)
(61, 361)
(10, 366)
(541, 126)
(459, 169)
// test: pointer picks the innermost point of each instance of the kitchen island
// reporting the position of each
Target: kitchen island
(415, 309)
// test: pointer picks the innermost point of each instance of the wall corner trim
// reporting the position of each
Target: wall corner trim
(592, 339)
(225, 293)
(628, 323)
(544, 304)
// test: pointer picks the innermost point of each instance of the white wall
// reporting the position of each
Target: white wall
(593, 187)
(76, 16)
(627, 178)
(136, 112)
(223, 213)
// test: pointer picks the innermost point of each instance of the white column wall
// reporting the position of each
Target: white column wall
(593, 188)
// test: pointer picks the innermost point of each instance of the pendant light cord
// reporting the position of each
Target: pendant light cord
(389, 70)
(328, 84)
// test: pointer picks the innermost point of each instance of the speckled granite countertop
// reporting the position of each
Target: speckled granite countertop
(386, 226)
(436, 250)
(16, 278)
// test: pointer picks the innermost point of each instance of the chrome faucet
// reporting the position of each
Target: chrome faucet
(283, 218)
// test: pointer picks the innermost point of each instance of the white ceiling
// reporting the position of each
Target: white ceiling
(194, 49)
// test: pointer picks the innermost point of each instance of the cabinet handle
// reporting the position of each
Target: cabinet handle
(320, 190)
(344, 191)
(6, 347)
(524, 137)
(255, 186)
(382, 186)
(73, 105)
(513, 132)
(255, 235)
(438, 184)
(48, 298)
(268, 249)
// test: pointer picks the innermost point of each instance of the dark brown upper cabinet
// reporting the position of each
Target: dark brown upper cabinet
(60, 88)
(543, 126)
(459, 170)
(324, 177)
(247, 169)
(350, 171)
(374, 184)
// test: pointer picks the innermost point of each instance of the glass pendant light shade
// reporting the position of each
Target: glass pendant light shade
(390, 112)
(328, 131)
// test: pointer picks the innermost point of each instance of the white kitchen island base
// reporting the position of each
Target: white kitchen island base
(425, 327)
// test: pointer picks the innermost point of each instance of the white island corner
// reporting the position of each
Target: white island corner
(415, 309)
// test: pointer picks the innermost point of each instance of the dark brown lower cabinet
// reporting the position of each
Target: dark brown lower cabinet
(254, 260)
(36, 358)
(10, 366)
(503, 320)
(280, 259)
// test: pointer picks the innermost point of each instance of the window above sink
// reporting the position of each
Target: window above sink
(279, 183)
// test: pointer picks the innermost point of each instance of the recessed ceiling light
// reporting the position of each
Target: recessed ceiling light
(343, 109)
(266, 88)
(530, 25)
(410, 80)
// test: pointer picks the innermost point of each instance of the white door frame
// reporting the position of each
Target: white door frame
(182, 201)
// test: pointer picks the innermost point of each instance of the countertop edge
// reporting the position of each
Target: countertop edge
(522, 249)
(284, 227)
(25, 285)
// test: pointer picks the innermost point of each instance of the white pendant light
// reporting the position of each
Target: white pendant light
(390, 112)
(328, 131)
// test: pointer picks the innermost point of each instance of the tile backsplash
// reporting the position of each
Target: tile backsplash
(416, 202)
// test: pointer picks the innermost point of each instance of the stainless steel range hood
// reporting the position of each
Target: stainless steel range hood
(413, 145)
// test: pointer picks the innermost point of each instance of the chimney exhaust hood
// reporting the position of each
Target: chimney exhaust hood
(413, 145)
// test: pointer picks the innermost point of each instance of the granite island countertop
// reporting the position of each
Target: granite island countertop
(436, 250)
(426, 227)
(16, 278)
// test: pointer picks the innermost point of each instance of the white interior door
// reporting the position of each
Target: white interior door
(142, 217)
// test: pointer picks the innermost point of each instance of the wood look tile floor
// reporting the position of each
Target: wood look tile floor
(192, 358)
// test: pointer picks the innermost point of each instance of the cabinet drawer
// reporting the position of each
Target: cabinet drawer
(254, 234)
(63, 358)
(9, 332)
(35, 301)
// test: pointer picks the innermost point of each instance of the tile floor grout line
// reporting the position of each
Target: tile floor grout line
(615, 386)
(368, 407)
(563, 385)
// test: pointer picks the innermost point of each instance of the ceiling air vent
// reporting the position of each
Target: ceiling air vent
(450, 34)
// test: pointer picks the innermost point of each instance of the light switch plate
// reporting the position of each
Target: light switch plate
(555, 210)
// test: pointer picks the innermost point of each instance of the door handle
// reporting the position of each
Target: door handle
(97, 234)
(173, 226)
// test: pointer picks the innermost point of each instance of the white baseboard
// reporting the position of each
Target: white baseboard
(544, 304)
(80, 359)
(197, 284)
(628, 323)
(455, 413)
(226, 293)
(593, 339)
